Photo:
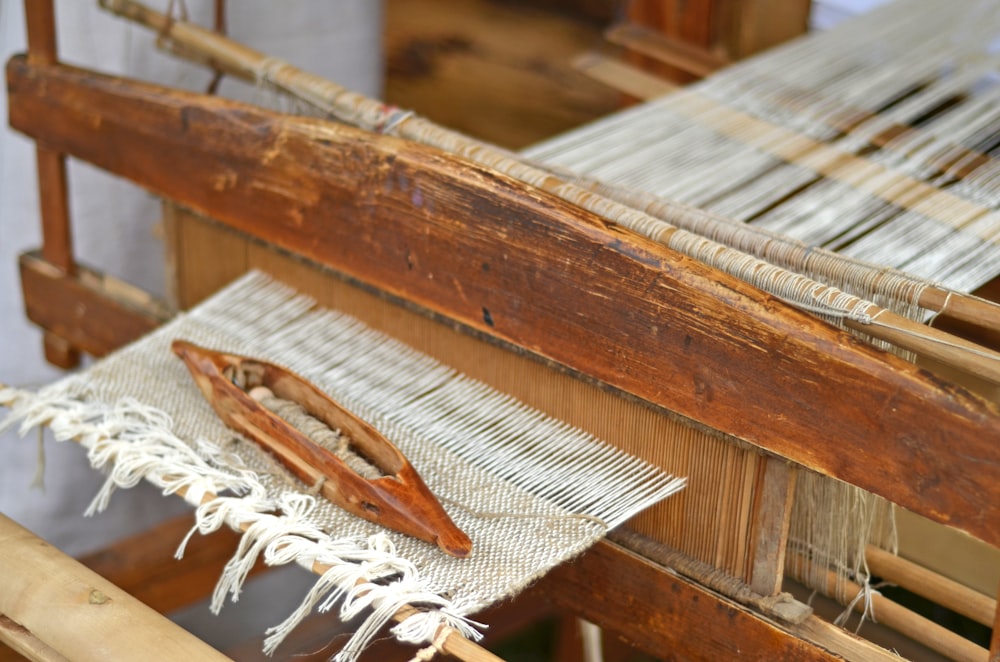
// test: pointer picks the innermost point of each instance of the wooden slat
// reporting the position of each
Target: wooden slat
(79, 614)
(772, 517)
(651, 43)
(622, 76)
(666, 613)
(94, 312)
(522, 267)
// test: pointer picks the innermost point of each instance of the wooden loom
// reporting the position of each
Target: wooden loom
(506, 267)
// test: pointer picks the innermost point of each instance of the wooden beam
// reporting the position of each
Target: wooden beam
(77, 613)
(522, 267)
(666, 612)
(92, 311)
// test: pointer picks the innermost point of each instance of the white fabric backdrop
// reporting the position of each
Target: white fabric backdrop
(113, 220)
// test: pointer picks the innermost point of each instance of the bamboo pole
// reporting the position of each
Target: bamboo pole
(913, 625)
(926, 583)
(355, 109)
(77, 613)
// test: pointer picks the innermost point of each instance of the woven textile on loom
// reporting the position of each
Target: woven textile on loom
(530, 491)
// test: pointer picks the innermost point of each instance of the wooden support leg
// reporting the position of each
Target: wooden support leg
(772, 515)
(53, 199)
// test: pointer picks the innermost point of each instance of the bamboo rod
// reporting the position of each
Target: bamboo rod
(995, 639)
(914, 626)
(23, 643)
(926, 583)
(78, 613)
(360, 111)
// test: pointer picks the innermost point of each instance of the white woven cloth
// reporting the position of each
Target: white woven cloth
(530, 491)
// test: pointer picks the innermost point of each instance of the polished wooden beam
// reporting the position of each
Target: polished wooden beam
(524, 268)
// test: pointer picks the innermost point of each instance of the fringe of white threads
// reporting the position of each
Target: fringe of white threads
(133, 442)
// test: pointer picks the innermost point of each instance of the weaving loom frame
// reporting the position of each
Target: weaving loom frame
(53, 282)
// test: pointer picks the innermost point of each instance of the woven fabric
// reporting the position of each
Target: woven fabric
(530, 491)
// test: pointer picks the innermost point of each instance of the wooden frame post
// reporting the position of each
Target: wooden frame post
(53, 198)
(772, 518)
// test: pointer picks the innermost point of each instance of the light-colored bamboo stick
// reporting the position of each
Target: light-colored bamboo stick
(358, 110)
(926, 583)
(79, 614)
(913, 625)
(22, 642)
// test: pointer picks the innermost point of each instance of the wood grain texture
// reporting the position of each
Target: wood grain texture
(675, 619)
(79, 614)
(92, 312)
(772, 518)
(515, 264)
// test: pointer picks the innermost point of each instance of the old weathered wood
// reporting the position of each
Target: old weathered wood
(661, 608)
(91, 311)
(772, 517)
(523, 267)
(398, 499)
(53, 198)
(79, 614)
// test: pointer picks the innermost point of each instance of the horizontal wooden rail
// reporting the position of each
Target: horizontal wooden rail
(94, 312)
(525, 268)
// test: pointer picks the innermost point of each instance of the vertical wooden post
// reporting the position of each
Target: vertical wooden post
(53, 197)
(772, 517)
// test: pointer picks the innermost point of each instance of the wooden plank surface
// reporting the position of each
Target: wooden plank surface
(514, 264)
